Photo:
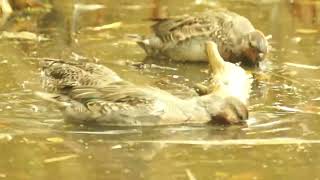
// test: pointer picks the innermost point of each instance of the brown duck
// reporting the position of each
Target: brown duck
(94, 94)
(182, 38)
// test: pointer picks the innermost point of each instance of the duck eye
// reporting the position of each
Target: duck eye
(250, 44)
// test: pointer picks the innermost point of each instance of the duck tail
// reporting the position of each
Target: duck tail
(148, 44)
(60, 100)
(216, 62)
(140, 40)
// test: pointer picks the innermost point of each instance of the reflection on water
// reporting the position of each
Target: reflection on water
(36, 144)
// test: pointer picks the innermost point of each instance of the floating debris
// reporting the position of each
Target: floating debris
(3, 175)
(118, 146)
(233, 142)
(55, 139)
(206, 2)
(264, 125)
(222, 175)
(305, 66)
(6, 137)
(111, 132)
(316, 99)
(307, 31)
(53, 120)
(114, 25)
(34, 108)
(61, 158)
(190, 174)
(269, 37)
(296, 40)
(88, 7)
(288, 109)
(175, 76)
(27, 141)
(135, 7)
(23, 35)
(270, 131)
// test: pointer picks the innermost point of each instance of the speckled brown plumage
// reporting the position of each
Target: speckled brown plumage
(182, 38)
(91, 93)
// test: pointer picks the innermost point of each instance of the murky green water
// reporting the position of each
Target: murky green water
(35, 143)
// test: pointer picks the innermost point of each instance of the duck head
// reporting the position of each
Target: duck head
(255, 47)
(225, 111)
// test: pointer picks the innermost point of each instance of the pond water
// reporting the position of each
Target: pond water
(281, 141)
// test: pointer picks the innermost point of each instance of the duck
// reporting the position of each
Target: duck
(227, 79)
(88, 93)
(182, 38)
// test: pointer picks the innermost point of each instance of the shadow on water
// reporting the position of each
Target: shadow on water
(280, 142)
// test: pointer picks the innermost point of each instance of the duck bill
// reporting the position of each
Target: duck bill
(252, 58)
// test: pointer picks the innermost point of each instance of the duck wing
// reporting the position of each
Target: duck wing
(220, 25)
(118, 104)
(58, 76)
(119, 92)
(180, 28)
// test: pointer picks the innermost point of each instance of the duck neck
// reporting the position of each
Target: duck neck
(196, 109)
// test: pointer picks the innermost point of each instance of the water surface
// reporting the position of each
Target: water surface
(281, 142)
